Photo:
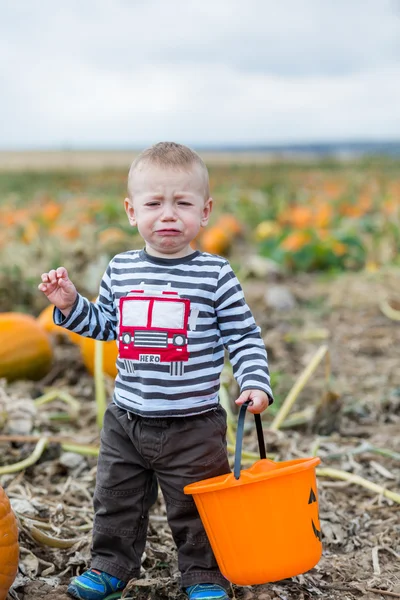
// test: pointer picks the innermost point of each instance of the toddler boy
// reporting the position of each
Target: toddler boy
(172, 311)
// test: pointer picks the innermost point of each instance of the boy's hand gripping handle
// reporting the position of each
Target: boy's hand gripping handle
(239, 438)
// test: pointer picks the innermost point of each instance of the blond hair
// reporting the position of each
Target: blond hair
(170, 155)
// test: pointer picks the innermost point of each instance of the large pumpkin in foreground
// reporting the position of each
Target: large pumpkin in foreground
(25, 348)
(9, 549)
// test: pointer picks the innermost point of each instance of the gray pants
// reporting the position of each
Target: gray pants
(178, 451)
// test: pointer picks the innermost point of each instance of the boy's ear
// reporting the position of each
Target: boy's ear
(130, 211)
(207, 208)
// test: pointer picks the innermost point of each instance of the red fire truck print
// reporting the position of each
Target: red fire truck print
(154, 325)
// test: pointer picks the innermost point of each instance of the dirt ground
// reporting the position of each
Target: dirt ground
(352, 422)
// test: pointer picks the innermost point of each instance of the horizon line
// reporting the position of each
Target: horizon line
(216, 147)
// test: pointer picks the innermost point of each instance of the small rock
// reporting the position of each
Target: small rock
(248, 595)
(262, 267)
(279, 297)
(71, 460)
(52, 582)
(24, 507)
(20, 416)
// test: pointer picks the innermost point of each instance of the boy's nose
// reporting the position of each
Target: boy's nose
(168, 213)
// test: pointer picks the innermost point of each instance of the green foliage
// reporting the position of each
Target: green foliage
(276, 378)
(319, 216)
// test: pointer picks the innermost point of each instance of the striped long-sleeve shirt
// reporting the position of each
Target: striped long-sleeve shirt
(172, 320)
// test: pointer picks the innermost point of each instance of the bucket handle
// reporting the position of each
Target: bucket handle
(239, 438)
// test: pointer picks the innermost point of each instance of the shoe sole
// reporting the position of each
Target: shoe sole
(114, 596)
(118, 595)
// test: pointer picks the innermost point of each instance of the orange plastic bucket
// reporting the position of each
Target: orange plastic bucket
(262, 522)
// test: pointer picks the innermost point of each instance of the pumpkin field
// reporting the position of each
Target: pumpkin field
(315, 244)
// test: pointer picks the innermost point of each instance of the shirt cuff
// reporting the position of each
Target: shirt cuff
(60, 319)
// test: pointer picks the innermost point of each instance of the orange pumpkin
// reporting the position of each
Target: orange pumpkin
(230, 224)
(51, 211)
(66, 231)
(46, 320)
(215, 240)
(25, 348)
(295, 241)
(113, 236)
(9, 549)
(110, 354)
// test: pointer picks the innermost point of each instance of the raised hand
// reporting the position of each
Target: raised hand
(59, 289)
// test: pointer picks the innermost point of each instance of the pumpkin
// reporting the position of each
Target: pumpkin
(110, 354)
(25, 348)
(50, 212)
(46, 320)
(215, 240)
(65, 231)
(112, 238)
(218, 238)
(9, 549)
(230, 224)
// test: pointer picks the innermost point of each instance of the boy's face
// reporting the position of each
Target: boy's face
(168, 207)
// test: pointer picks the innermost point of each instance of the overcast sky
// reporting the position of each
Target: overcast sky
(128, 73)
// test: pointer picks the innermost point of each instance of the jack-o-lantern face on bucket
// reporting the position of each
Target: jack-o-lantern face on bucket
(313, 500)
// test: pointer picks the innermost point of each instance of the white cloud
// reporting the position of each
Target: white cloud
(128, 73)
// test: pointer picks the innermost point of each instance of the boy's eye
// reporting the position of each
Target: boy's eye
(154, 203)
(184, 203)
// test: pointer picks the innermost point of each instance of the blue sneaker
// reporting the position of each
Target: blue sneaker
(206, 591)
(95, 585)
